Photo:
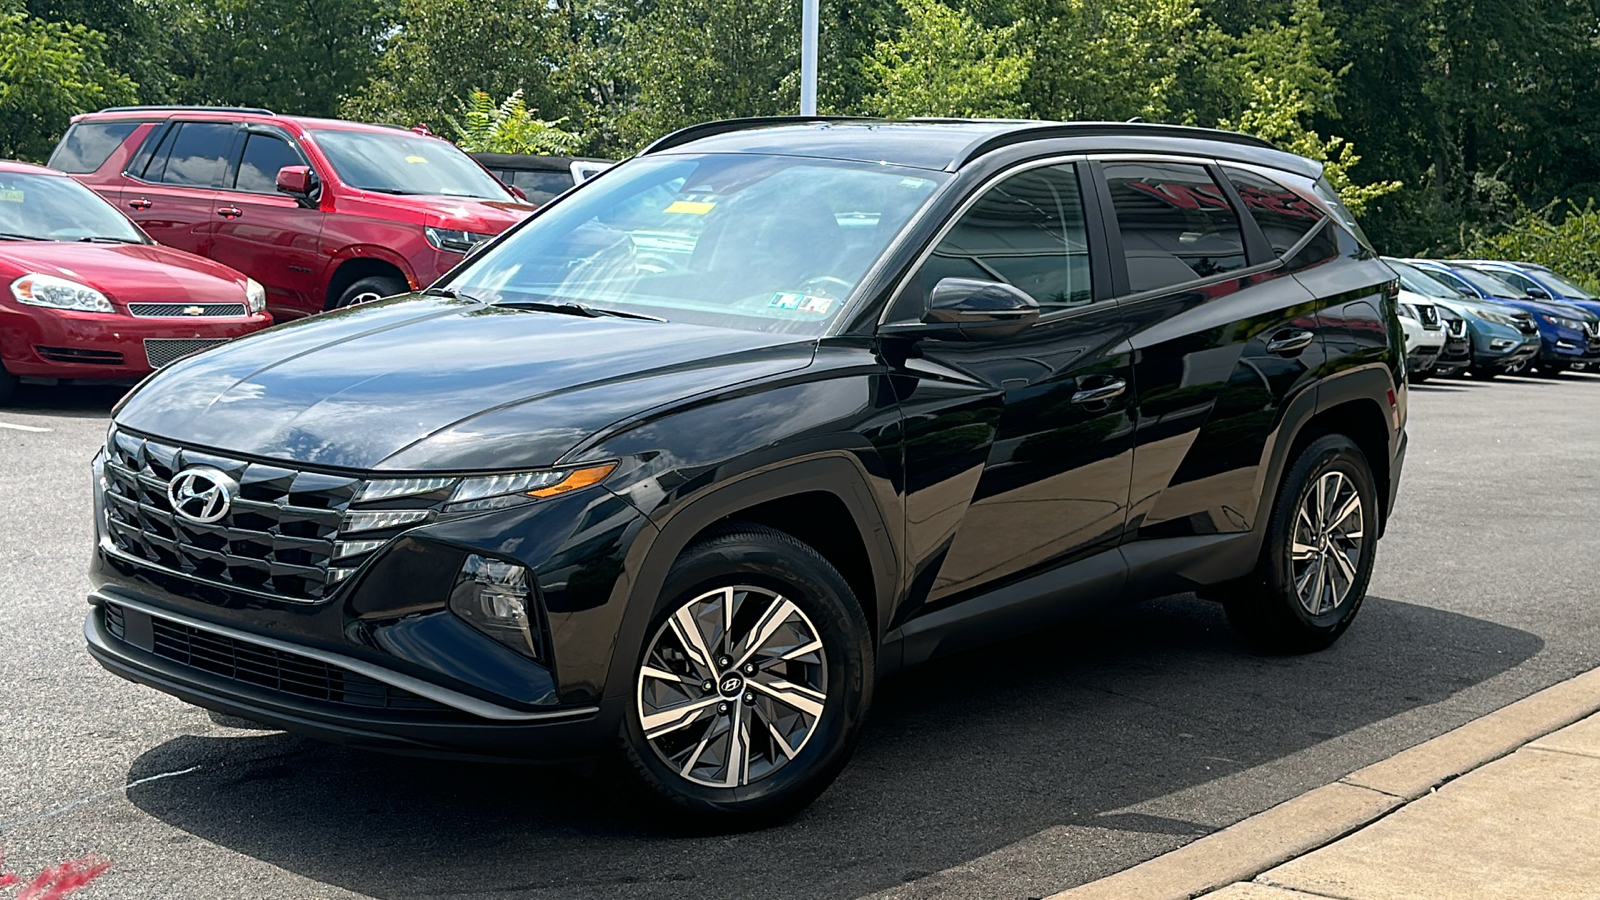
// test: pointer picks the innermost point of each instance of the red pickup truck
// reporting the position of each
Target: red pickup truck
(322, 213)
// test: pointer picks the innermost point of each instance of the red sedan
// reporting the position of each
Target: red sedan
(87, 296)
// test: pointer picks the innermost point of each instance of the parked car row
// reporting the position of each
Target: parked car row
(1504, 317)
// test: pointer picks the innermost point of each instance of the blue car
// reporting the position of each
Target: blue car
(1539, 283)
(1568, 335)
(1502, 338)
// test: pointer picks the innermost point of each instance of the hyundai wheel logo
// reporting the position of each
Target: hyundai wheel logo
(201, 495)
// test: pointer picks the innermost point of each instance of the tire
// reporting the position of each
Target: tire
(688, 772)
(8, 385)
(1552, 370)
(373, 287)
(1273, 608)
(1419, 376)
(1484, 372)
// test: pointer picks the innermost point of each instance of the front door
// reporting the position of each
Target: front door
(1018, 451)
(270, 236)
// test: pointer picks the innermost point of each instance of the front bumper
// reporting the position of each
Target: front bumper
(82, 346)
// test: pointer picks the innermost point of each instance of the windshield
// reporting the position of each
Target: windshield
(1488, 283)
(56, 208)
(1417, 281)
(763, 243)
(1565, 287)
(405, 163)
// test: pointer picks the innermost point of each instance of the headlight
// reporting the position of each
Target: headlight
(1489, 315)
(499, 491)
(454, 241)
(496, 598)
(255, 296)
(1573, 324)
(1407, 311)
(58, 293)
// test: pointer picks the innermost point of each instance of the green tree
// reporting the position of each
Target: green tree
(509, 127)
(49, 71)
(1106, 59)
(944, 62)
(138, 39)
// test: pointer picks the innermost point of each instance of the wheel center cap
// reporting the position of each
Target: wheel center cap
(731, 685)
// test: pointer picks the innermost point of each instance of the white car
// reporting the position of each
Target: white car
(1424, 333)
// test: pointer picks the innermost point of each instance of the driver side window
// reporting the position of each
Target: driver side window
(1028, 232)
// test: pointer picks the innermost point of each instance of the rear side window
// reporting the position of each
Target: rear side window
(1028, 232)
(87, 145)
(1285, 217)
(541, 187)
(1176, 223)
(194, 153)
(264, 155)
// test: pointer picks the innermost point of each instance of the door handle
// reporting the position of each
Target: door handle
(1106, 390)
(230, 212)
(140, 204)
(1289, 342)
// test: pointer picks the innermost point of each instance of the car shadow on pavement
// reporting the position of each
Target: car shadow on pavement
(960, 757)
(71, 401)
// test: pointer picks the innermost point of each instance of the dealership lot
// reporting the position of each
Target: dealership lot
(1008, 772)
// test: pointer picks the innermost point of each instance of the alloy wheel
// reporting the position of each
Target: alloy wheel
(1327, 542)
(732, 686)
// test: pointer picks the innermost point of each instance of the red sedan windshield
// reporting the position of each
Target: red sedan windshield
(36, 207)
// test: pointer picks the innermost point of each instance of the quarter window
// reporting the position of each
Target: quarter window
(1285, 217)
(87, 145)
(1027, 232)
(1176, 224)
(196, 155)
(264, 155)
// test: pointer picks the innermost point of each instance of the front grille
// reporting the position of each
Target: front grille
(1592, 328)
(267, 667)
(1525, 324)
(185, 310)
(78, 355)
(1457, 328)
(280, 535)
(1429, 315)
(161, 351)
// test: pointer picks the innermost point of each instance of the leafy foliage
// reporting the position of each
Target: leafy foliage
(944, 62)
(1566, 239)
(1106, 59)
(48, 72)
(510, 127)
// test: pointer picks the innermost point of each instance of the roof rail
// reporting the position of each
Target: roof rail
(255, 110)
(724, 126)
(1097, 129)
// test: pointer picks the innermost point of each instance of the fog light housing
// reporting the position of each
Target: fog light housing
(1501, 344)
(496, 598)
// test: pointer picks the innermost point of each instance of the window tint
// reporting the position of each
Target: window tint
(264, 155)
(198, 155)
(1028, 232)
(1284, 216)
(86, 146)
(1176, 223)
(541, 187)
(1515, 279)
(1323, 246)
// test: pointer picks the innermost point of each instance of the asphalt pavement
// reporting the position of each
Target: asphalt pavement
(1009, 772)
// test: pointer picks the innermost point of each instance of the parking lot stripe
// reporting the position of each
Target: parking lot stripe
(15, 427)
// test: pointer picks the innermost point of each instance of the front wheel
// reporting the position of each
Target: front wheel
(1318, 555)
(752, 685)
(366, 290)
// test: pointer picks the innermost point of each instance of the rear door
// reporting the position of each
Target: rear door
(1223, 336)
(270, 236)
(173, 194)
(1018, 451)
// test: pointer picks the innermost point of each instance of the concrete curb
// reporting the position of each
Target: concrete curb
(1295, 827)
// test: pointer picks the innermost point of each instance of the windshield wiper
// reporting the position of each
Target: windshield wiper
(103, 239)
(13, 236)
(570, 308)
(449, 293)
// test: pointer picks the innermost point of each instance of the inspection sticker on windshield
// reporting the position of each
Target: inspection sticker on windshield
(11, 196)
(806, 303)
(690, 207)
(417, 159)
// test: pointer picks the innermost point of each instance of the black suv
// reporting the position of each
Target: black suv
(678, 467)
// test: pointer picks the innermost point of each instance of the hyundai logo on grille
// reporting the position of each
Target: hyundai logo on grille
(201, 495)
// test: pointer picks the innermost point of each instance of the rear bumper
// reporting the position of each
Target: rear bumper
(43, 343)
(440, 730)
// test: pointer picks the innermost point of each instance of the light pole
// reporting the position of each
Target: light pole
(808, 57)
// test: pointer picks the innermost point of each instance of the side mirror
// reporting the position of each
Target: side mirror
(298, 182)
(1539, 294)
(967, 309)
(517, 192)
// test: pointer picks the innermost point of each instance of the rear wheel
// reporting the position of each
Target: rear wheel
(751, 687)
(373, 287)
(1318, 554)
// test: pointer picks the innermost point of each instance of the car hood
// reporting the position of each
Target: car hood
(463, 213)
(430, 383)
(127, 273)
